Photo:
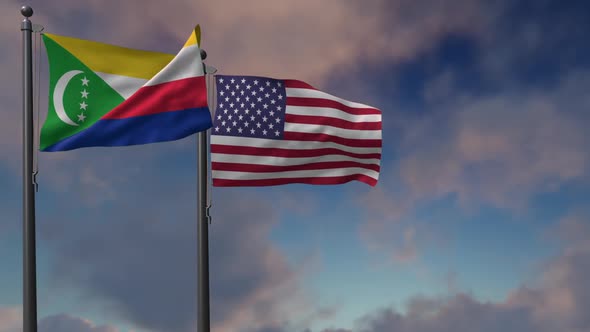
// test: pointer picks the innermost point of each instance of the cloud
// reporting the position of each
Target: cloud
(139, 264)
(10, 319)
(67, 323)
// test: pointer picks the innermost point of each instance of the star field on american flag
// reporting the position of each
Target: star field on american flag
(250, 106)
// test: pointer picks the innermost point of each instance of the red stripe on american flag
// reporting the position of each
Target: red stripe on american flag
(286, 153)
(308, 180)
(364, 143)
(165, 97)
(297, 85)
(255, 168)
(333, 122)
(320, 102)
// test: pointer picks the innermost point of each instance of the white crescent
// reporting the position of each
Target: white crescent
(58, 96)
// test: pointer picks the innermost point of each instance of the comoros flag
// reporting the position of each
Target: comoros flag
(106, 95)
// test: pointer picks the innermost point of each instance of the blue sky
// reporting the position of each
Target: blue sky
(479, 221)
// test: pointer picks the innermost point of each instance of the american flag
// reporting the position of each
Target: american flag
(270, 132)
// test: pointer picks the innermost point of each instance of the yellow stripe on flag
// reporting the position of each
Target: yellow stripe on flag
(195, 37)
(111, 59)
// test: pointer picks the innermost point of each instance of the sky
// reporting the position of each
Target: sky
(480, 220)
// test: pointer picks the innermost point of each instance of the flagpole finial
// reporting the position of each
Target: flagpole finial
(27, 11)
(203, 54)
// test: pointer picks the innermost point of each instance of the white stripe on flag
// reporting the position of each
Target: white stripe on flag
(287, 144)
(187, 63)
(124, 85)
(229, 175)
(332, 113)
(333, 131)
(309, 93)
(280, 161)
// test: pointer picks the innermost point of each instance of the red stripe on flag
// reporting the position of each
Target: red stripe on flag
(298, 85)
(255, 168)
(288, 153)
(165, 97)
(333, 122)
(312, 180)
(366, 143)
(320, 102)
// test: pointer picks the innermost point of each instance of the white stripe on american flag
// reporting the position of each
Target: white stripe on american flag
(291, 145)
(327, 140)
(336, 172)
(333, 113)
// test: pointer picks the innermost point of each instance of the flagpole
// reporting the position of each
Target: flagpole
(29, 257)
(203, 227)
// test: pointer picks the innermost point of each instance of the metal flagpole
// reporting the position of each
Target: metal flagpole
(29, 257)
(203, 314)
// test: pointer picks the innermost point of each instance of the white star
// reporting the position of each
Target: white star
(265, 106)
(229, 117)
(234, 123)
(264, 131)
(242, 105)
(274, 90)
(247, 98)
(279, 108)
(221, 93)
(276, 133)
(264, 118)
(217, 128)
(240, 117)
(255, 82)
(278, 83)
(237, 87)
(278, 120)
(240, 130)
(219, 117)
(242, 92)
(254, 93)
(259, 99)
(223, 123)
(272, 101)
(81, 117)
(267, 83)
(248, 86)
(225, 111)
(83, 105)
(258, 125)
(231, 105)
(232, 81)
(272, 113)
(247, 111)
(238, 99)
(252, 131)
(228, 129)
(233, 93)
(252, 118)
(226, 98)
(271, 126)
(246, 124)
(227, 86)
(221, 80)
(252, 105)
(236, 110)
(243, 80)
(220, 105)
(261, 89)
(258, 112)
(267, 95)
(84, 93)
(280, 97)
(85, 81)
